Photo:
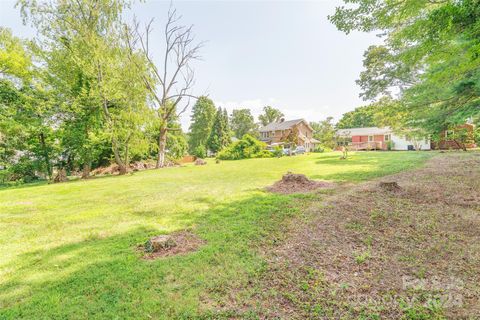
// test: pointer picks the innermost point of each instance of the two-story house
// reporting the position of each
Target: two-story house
(277, 133)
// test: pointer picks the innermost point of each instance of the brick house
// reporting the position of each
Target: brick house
(276, 133)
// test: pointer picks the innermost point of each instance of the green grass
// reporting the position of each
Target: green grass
(69, 250)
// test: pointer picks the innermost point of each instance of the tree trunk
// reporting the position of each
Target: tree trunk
(162, 145)
(86, 171)
(45, 155)
(122, 168)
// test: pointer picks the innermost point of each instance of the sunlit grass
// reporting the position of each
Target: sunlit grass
(68, 250)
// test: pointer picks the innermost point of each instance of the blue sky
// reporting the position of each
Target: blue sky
(257, 53)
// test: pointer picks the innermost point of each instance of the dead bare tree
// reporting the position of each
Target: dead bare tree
(170, 84)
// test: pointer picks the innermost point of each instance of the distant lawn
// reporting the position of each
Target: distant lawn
(69, 250)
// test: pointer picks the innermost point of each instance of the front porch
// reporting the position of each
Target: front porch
(369, 145)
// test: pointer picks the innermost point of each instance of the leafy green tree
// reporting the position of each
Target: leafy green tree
(220, 133)
(324, 131)
(270, 114)
(429, 57)
(361, 117)
(30, 126)
(14, 59)
(228, 128)
(26, 111)
(203, 115)
(90, 34)
(242, 122)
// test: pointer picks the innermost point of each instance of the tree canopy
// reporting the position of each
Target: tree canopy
(361, 117)
(270, 114)
(242, 122)
(429, 59)
(324, 131)
(76, 96)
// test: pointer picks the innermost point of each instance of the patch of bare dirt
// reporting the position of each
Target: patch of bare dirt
(369, 252)
(177, 243)
(297, 183)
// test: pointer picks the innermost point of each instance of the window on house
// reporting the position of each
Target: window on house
(370, 138)
(388, 137)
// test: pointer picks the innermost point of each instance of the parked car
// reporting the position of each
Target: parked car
(300, 150)
(287, 152)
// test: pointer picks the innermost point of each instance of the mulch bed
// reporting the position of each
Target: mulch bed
(297, 183)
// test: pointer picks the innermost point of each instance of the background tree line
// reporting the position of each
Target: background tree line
(85, 91)
(212, 129)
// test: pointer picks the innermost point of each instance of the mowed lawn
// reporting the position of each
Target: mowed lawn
(71, 250)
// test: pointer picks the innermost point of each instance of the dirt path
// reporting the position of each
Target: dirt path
(372, 253)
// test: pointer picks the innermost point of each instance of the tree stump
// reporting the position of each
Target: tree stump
(61, 176)
(290, 177)
(160, 243)
(200, 162)
(390, 186)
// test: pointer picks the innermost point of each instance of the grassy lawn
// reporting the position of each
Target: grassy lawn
(69, 250)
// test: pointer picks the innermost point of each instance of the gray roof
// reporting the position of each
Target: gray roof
(281, 125)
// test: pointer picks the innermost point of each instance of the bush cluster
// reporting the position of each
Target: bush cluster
(247, 147)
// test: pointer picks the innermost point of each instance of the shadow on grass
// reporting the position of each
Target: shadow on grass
(107, 278)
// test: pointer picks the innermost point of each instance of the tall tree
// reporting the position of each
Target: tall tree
(26, 108)
(203, 114)
(324, 131)
(219, 135)
(242, 122)
(170, 83)
(228, 129)
(270, 114)
(90, 32)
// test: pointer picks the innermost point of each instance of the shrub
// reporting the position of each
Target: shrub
(200, 152)
(278, 152)
(390, 145)
(247, 147)
(264, 154)
(23, 170)
(319, 149)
